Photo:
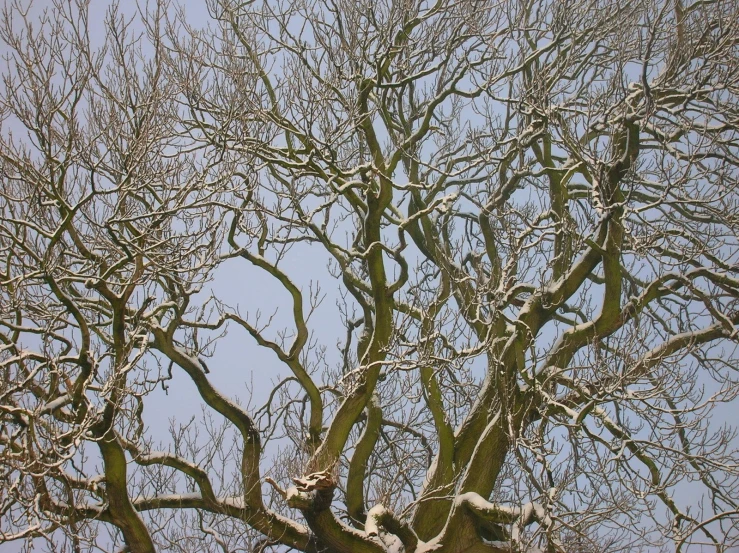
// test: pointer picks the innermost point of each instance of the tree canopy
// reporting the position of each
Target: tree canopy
(526, 213)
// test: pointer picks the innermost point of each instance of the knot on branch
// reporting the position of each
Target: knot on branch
(314, 491)
(322, 480)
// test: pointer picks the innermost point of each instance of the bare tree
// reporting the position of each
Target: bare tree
(529, 215)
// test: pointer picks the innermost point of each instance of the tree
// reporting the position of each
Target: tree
(528, 212)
